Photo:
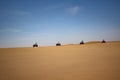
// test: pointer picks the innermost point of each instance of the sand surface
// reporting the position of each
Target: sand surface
(95, 61)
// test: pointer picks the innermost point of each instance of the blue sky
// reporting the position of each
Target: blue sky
(24, 22)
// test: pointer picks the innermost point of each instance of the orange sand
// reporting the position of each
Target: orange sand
(95, 61)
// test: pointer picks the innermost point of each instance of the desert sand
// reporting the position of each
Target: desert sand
(94, 61)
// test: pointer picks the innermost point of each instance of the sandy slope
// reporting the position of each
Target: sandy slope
(73, 62)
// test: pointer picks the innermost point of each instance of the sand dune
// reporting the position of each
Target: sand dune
(72, 62)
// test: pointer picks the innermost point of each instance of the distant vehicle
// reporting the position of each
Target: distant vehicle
(103, 41)
(58, 44)
(82, 42)
(35, 45)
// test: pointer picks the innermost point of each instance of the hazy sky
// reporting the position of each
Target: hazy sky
(24, 22)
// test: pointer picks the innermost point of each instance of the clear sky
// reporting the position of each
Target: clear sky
(24, 22)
